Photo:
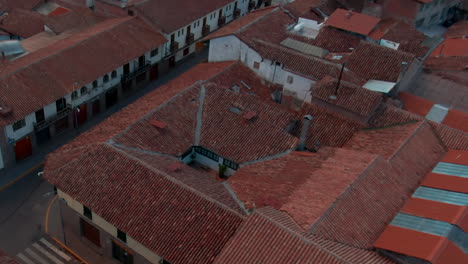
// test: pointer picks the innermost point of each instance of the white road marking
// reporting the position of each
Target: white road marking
(47, 254)
(56, 250)
(24, 258)
(36, 256)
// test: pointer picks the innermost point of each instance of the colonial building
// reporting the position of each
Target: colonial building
(59, 81)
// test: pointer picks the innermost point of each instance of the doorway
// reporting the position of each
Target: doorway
(119, 253)
(111, 97)
(23, 148)
(154, 72)
(90, 232)
(172, 62)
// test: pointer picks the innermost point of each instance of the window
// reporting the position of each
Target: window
(207, 153)
(290, 79)
(154, 52)
(84, 90)
(40, 117)
(74, 95)
(121, 254)
(256, 65)
(114, 74)
(95, 84)
(230, 164)
(19, 124)
(105, 78)
(60, 104)
(186, 51)
(121, 235)
(87, 212)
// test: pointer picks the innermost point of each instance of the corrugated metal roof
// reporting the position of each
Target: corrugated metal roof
(451, 169)
(441, 196)
(434, 227)
(421, 224)
(304, 47)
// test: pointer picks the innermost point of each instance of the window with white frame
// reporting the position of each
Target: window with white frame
(114, 74)
(84, 90)
(74, 95)
(290, 79)
(154, 52)
(95, 84)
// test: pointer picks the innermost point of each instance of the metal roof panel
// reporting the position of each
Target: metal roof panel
(451, 169)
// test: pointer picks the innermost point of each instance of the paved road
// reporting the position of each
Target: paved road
(24, 203)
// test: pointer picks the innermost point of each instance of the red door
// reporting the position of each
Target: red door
(80, 116)
(172, 62)
(90, 232)
(154, 72)
(23, 148)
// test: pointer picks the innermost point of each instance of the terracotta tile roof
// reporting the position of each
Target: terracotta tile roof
(352, 21)
(445, 182)
(415, 104)
(328, 128)
(401, 32)
(457, 119)
(372, 61)
(401, 9)
(58, 11)
(349, 96)
(40, 78)
(381, 141)
(389, 115)
(118, 122)
(193, 230)
(73, 19)
(446, 63)
(23, 23)
(7, 259)
(260, 240)
(303, 8)
(240, 23)
(452, 138)
(286, 183)
(8, 5)
(457, 30)
(173, 15)
(452, 48)
(335, 40)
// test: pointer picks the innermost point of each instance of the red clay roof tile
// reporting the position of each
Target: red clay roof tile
(23, 23)
(352, 21)
(451, 48)
(456, 119)
(445, 182)
(457, 30)
(7, 259)
(415, 104)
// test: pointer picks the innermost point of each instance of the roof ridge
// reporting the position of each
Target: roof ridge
(178, 182)
(78, 42)
(199, 124)
(300, 236)
(414, 132)
(274, 10)
(235, 197)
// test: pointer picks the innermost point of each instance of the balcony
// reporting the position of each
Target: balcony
(237, 13)
(190, 38)
(206, 30)
(46, 123)
(221, 21)
(251, 5)
(132, 75)
(174, 46)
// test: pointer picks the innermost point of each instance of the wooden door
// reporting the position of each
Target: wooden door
(90, 232)
(23, 148)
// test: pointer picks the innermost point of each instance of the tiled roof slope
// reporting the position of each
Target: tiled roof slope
(298, 183)
(352, 21)
(372, 61)
(23, 23)
(7, 259)
(457, 30)
(222, 130)
(454, 63)
(389, 115)
(238, 24)
(8, 5)
(189, 176)
(73, 19)
(452, 138)
(42, 77)
(118, 122)
(193, 229)
(172, 15)
(260, 240)
(328, 128)
(351, 97)
(452, 48)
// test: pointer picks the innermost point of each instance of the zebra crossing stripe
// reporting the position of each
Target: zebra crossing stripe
(50, 256)
(56, 250)
(36, 256)
(24, 258)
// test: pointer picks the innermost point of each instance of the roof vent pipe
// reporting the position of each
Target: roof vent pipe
(304, 130)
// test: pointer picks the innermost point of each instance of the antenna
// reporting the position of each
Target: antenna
(335, 95)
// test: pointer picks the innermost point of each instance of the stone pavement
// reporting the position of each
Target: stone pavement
(7, 175)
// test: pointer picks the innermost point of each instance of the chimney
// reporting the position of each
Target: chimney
(403, 68)
(305, 129)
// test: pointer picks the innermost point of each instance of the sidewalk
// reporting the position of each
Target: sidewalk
(22, 168)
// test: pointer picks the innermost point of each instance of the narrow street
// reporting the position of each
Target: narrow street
(25, 196)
